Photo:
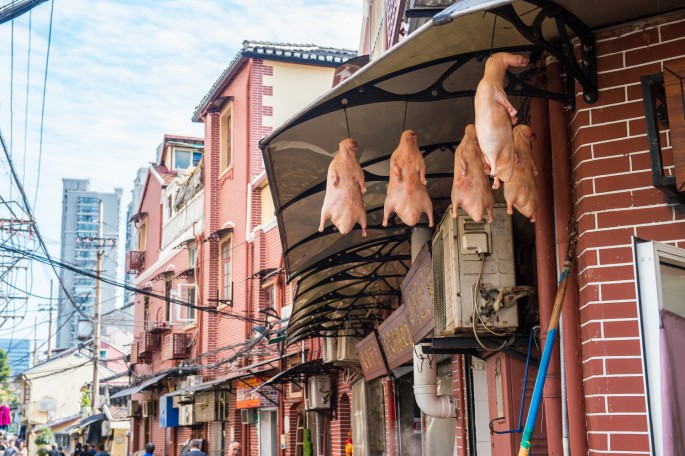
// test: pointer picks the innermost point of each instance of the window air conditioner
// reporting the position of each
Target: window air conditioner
(194, 380)
(459, 247)
(248, 416)
(133, 408)
(185, 415)
(319, 392)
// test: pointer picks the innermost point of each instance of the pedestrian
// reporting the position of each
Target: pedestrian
(195, 449)
(235, 449)
(53, 451)
(149, 449)
(77, 451)
(101, 450)
(11, 449)
(22, 449)
(91, 449)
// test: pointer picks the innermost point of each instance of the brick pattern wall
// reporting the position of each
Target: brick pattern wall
(614, 200)
(343, 422)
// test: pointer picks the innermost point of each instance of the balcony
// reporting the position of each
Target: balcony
(191, 213)
(135, 261)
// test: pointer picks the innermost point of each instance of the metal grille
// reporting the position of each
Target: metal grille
(439, 283)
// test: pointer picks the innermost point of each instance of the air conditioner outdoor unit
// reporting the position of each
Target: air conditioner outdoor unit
(346, 352)
(462, 248)
(182, 399)
(133, 408)
(185, 415)
(319, 392)
(248, 416)
(194, 380)
(149, 409)
(329, 350)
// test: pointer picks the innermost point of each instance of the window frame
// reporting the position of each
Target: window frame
(183, 292)
(226, 297)
(648, 258)
(168, 292)
(226, 139)
(142, 235)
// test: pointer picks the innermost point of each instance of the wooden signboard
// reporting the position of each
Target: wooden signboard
(674, 84)
(417, 295)
(396, 339)
(371, 357)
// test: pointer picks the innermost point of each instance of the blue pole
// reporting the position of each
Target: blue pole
(537, 393)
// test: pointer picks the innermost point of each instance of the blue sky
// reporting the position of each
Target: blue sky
(121, 75)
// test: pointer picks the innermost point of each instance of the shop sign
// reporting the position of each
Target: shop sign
(247, 397)
(396, 338)
(417, 295)
(371, 357)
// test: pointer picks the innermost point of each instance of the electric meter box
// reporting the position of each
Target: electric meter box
(461, 246)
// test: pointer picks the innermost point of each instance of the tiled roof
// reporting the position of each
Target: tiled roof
(167, 175)
(303, 52)
(297, 53)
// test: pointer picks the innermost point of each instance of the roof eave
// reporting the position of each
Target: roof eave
(219, 87)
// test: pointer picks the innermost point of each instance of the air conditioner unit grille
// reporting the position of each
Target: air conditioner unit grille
(439, 283)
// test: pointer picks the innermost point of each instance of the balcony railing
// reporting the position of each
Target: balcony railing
(182, 221)
(135, 261)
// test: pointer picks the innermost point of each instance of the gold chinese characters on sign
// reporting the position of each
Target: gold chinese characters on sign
(417, 295)
(371, 358)
(396, 338)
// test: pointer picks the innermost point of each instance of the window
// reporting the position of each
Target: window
(188, 294)
(103, 354)
(62, 440)
(226, 272)
(142, 238)
(167, 294)
(268, 210)
(182, 158)
(270, 296)
(226, 135)
(192, 254)
(661, 286)
(146, 312)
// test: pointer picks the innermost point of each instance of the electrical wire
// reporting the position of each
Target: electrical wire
(480, 318)
(42, 111)
(26, 110)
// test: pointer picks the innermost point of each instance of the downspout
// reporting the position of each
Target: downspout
(563, 202)
(426, 386)
(391, 418)
(426, 366)
(245, 434)
(546, 267)
(280, 283)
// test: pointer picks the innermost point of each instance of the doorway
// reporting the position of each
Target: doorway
(268, 432)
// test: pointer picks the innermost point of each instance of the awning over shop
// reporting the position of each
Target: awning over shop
(140, 387)
(92, 419)
(298, 373)
(425, 83)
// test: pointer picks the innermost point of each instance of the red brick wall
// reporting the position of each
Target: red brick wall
(614, 200)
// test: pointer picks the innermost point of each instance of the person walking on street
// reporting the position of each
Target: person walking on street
(53, 451)
(149, 449)
(11, 449)
(22, 449)
(195, 449)
(101, 450)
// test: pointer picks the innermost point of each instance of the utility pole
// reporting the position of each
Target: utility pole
(35, 341)
(50, 323)
(96, 317)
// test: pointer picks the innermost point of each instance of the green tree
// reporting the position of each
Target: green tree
(8, 392)
(4, 366)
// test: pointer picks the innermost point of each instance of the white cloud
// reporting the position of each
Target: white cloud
(124, 73)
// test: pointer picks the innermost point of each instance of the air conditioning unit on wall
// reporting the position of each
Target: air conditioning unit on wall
(133, 408)
(149, 409)
(319, 392)
(248, 416)
(185, 415)
(462, 248)
(346, 352)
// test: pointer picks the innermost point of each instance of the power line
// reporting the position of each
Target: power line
(42, 110)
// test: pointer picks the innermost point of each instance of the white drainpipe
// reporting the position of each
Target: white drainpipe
(426, 387)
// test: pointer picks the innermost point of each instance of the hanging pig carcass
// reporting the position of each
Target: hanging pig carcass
(471, 187)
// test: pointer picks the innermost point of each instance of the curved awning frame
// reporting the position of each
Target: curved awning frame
(427, 83)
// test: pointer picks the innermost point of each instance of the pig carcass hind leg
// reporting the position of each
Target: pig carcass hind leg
(501, 98)
(496, 184)
(510, 207)
(490, 213)
(422, 172)
(362, 222)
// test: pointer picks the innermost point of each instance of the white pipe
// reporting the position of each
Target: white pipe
(426, 387)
